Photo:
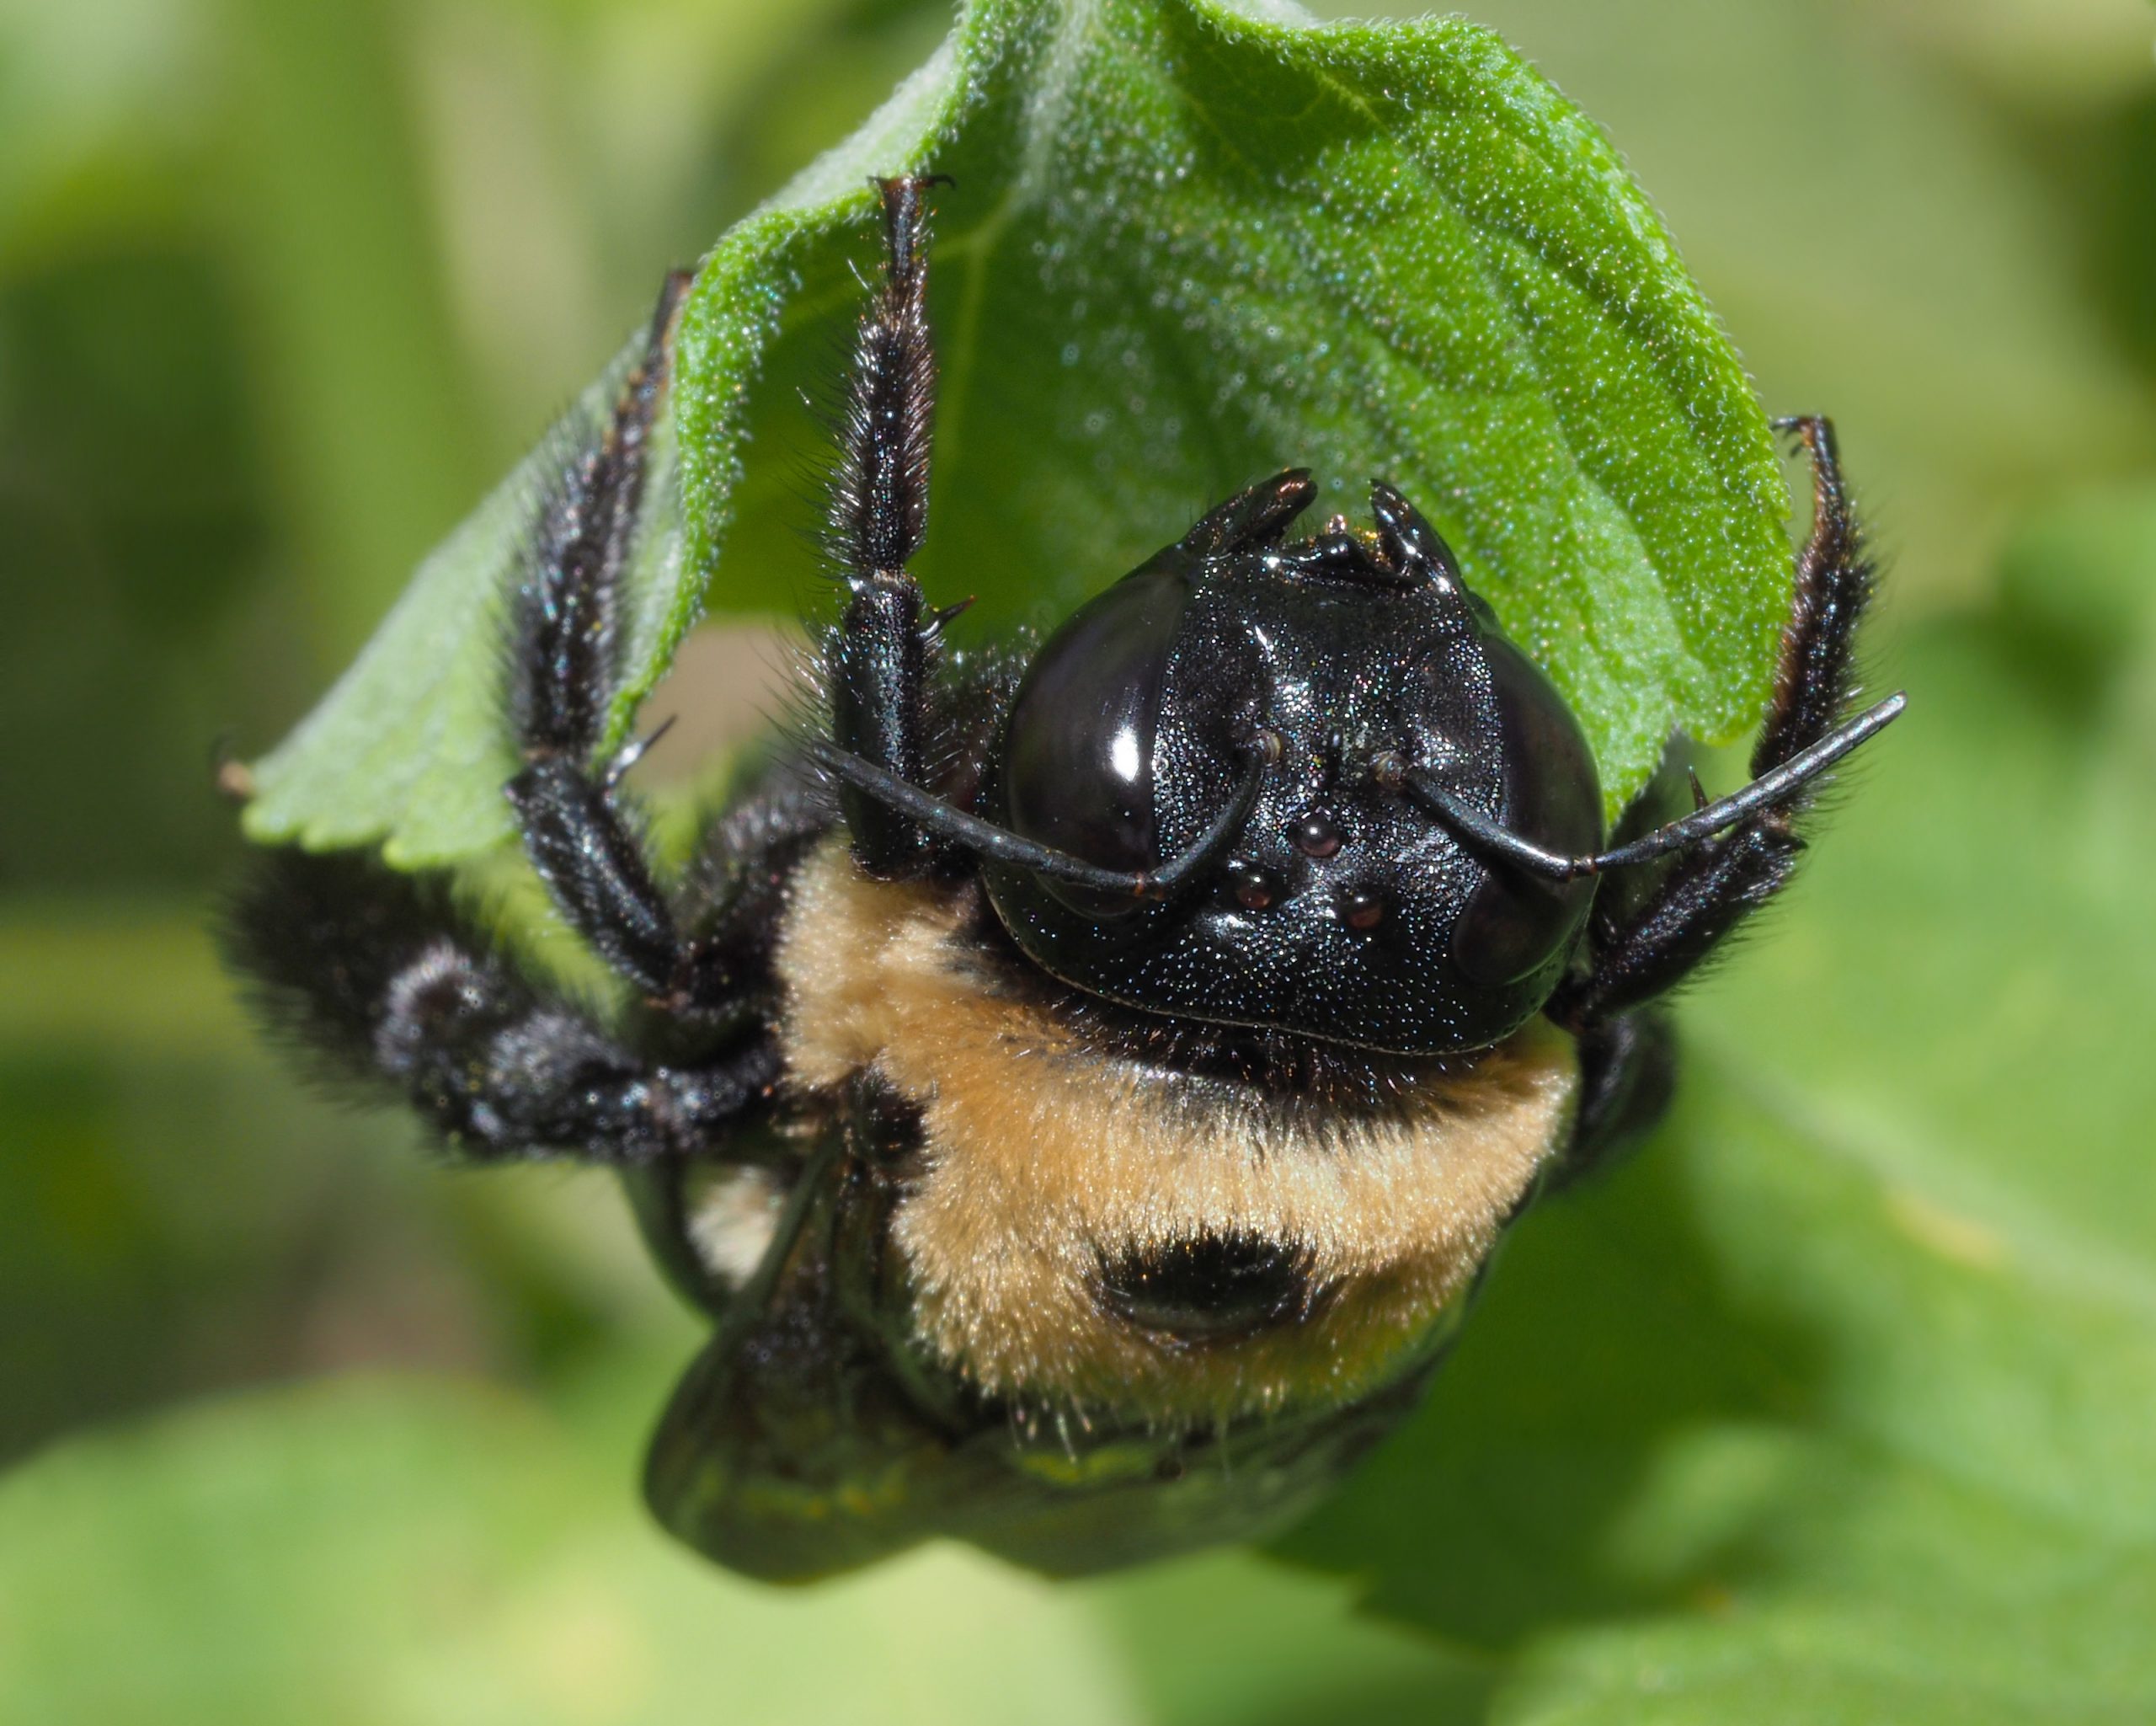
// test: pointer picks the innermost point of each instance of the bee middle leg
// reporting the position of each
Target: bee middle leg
(577, 827)
(1628, 1074)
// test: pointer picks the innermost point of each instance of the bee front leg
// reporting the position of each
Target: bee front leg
(1696, 902)
(563, 662)
(879, 660)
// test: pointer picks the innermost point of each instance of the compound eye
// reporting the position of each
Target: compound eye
(1515, 923)
(1077, 766)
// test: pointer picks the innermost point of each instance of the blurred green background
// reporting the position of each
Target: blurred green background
(317, 1428)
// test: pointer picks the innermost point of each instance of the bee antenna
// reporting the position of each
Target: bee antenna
(985, 839)
(1770, 788)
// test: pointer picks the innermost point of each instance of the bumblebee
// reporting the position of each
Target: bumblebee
(1083, 1088)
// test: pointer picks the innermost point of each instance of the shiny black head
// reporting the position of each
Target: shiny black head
(1339, 665)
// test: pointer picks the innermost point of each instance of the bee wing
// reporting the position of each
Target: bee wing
(797, 1445)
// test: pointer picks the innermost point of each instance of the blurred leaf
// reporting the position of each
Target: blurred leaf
(132, 515)
(99, 104)
(2062, 54)
(2074, 586)
(364, 383)
(179, 1212)
(1186, 248)
(1227, 1639)
(175, 1210)
(1836, 1404)
(407, 1552)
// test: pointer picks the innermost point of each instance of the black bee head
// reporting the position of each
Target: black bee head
(1333, 667)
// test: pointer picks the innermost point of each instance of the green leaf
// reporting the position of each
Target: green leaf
(1912, 268)
(397, 1551)
(1187, 246)
(379, 1552)
(1835, 1403)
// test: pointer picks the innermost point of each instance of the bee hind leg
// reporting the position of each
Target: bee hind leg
(388, 985)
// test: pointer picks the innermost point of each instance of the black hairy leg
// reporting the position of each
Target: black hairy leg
(879, 661)
(562, 673)
(1815, 675)
(1642, 945)
(380, 980)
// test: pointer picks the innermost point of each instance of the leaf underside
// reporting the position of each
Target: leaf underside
(1188, 246)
